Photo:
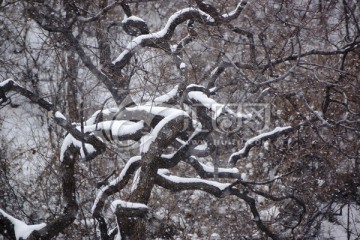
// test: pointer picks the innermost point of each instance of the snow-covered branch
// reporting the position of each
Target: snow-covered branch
(113, 187)
(175, 183)
(209, 172)
(14, 228)
(276, 132)
(97, 145)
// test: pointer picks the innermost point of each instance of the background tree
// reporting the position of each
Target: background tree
(153, 119)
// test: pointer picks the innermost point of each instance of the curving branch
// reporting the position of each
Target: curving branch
(155, 39)
(11, 85)
(225, 18)
(214, 188)
(13, 228)
(135, 26)
(113, 84)
(209, 172)
(252, 142)
(113, 187)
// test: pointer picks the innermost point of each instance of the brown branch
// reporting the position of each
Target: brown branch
(252, 142)
(69, 194)
(11, 85)
(115, 186)
(216, 189)
(110, 85)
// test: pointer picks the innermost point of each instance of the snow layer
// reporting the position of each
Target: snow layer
(116, 127)
(133, 18)
(257, 138)
(3, 83)
(59, 115)
(152, 136)
(115, 181)
(22, 230)
(125, 204)
(215, 107)
(164, 173)
(138, 40)
(166, 97)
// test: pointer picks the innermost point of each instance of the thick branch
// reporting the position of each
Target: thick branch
(71, 208)
(114, 186)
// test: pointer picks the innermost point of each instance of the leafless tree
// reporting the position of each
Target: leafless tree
(254, 103)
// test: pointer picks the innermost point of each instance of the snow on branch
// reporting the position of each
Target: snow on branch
(109, 112)
(164, 34)
(166, 98)
(205, 171)
(135, 26)
(93, 143)
(21, 229)
(176, 183)
(148, 113)
(129, 209)
(215, 107)
(122, 129)
(148, 139)
(225, 18)
(255, 140)
(235, 13)
(131, 166)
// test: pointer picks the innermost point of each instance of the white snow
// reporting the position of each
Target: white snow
(105, 112)
(220, 170)
(22, 230)
(173, 47)
(3, 83)
(117, 127)
(115, 181)
(161, 111)
(146, 140)
(125, 204)
(232, 13)
(138, 40)
(206, 102)
(182, 65)
(176, 179)
(194, 85)
(136, 179)
(59, 115)
(215, 107)
(133, 18)
(258, 138)
(70, 140)
(201, 147)
(166, 97)
(266, 145)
